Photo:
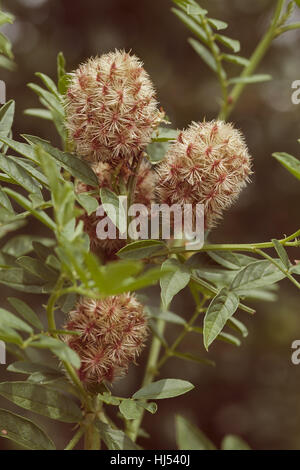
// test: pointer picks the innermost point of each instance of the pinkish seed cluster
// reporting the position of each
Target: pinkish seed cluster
(112, 331)
(111, 109)
(208, 164)
(144, 194)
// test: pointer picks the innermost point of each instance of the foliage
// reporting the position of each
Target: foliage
(39, 182)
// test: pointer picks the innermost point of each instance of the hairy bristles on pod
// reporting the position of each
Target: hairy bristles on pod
(208, 164)
(112, 333)
(111, 108)
(144, 194)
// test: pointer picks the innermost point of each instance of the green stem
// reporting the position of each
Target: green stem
(170, 352)
(133, 426)
(284, 271)
(92, 438)
(56, 294)
(218, 60)
(255, 60)
(250, 247)
(75, 439)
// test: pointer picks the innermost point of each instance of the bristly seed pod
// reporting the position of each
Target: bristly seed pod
(111, 110)
(208, 164)
(113, 332)
(144, 194)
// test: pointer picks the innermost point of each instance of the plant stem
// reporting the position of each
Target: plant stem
(92, 438)
(151, 371)
(251, 247)
(284, 271)
(169, 352)
(255, 60)
(218, 60)
(75, 439)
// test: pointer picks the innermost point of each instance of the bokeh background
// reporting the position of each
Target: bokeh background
(254, 390)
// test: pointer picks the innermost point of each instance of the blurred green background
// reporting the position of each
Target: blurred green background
(254, 390)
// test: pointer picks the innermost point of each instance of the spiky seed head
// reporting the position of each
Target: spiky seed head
(208, 164)
(144, 194)
(112, 333)
(111, 109)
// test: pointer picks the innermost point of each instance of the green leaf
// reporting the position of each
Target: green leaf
(6, 18)
(165, 388)
(253, 79)
(7, 63)
(221, 308)
(49, 83)
(151, 407)
(60, 349)
(36, 267)
(23, 244)
(5, 46)
(28, 368)
(107, 398)
(39, 112)
(189, 437)
(173, 282)
(236, 59)
(233, 44)
(23, 431)
(27, 313)
(191, 24)
(29, 168)
(115, 439)
(230, 259)
(77, 167)
(164, 134)
(19, 175)
(61, 66)
(255, 275)
(7, 112)
(114, 208)
(296, 269)
(291, 163)
(156, 151)
(232, 442)
(281, 253)
(8, 335)
(217, 24)
(51, 101)
(165, 315)
(5, 202)
(204, 53)
(89, 203)
(29, 206)
(130, 409)
(193, 358)
(227, 338)
(42, 400)
(195, 10)
(24, 149)
(7, 319)
(148, 278)
(141, 249)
